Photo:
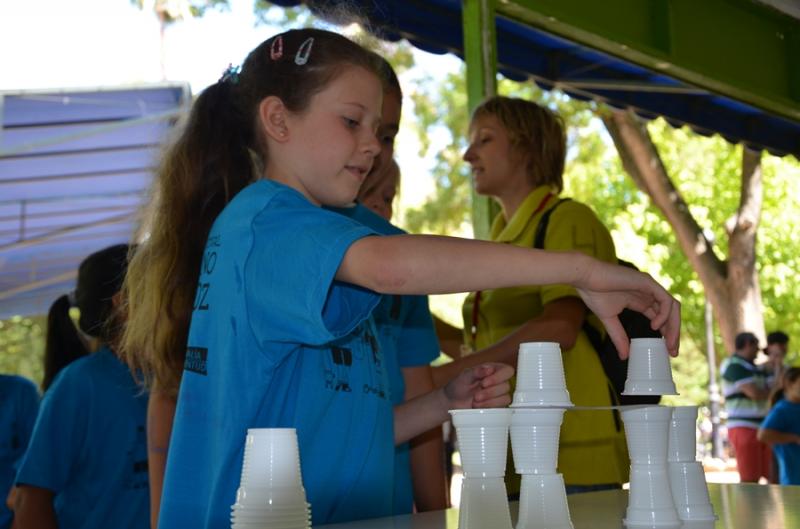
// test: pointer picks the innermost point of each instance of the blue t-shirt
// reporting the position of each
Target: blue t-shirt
(408, 339)
(276, 341)
(785, 417)
(90, 448)
(19, 403)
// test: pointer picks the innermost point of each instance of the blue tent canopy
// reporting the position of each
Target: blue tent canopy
(525, 52)
(74, 167)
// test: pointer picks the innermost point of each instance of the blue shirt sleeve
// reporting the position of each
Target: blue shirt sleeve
(57, 434)
(417, 344)
(28, 409)
(292, 294)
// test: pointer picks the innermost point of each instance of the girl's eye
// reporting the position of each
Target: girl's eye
(485, 140)
(352, 123)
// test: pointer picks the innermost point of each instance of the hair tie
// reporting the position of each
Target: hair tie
(230, 75)
(304, 52)
(276, 49)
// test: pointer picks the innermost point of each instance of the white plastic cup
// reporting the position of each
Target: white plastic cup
(650, 500)
(484, 504)
(271, 458)
(647, 430)
(649, 371)
(690, 491)
(543, 503)
(534, 440)
(682, 434)
(540, 376)
(482, 440)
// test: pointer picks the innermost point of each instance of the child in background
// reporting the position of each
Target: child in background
(63, 344)
(781, 427)
(280, 291)
(86, 464)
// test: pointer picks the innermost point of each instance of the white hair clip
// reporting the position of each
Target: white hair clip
(304, 52)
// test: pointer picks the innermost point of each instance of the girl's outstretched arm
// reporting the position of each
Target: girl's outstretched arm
(483, 386)
(429, 264)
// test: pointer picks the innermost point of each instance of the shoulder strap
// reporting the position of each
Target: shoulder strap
(541, 228)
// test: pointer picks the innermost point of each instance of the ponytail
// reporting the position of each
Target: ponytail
(789, 376)
(63, 344)
(203, 170)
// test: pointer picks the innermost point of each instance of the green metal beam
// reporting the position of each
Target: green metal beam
(480, 54)
(736, 48)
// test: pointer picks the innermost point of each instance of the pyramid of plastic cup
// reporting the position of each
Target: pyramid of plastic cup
(271, 492)
(483, 444)
(540, 376)
(649, 371)
(650, 500)
(542, 497)
(686, 476)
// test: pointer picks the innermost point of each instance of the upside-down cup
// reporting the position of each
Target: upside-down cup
(482, 440)
(534, 439)
(543, 503)
(540, 376)
(484, 504)
(687, 482)
(649, 371)
(647, 430)
(650, 500)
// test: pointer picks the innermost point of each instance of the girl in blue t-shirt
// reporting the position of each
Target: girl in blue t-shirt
(781, 427)
(255, 302)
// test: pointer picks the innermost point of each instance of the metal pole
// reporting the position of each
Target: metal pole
(713, 387)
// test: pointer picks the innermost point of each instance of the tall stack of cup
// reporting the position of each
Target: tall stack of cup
(686, 476)
(650, 502)
(540, 399)
(483, 445)
(271, 492)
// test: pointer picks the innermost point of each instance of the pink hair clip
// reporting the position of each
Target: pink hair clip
(276, 49)
(304, 52)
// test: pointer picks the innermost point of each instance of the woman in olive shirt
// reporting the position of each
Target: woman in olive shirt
(517, 151)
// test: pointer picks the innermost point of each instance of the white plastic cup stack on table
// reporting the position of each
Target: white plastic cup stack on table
(271, 492)
(540, 376)
(649, 371)
(534, 440)
(686, 476)
(483, 444)
(650, 502)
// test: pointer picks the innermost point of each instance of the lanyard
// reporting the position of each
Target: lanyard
(476, 306)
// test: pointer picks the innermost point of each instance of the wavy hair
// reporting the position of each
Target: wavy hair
(216, 155)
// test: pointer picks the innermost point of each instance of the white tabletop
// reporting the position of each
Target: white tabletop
(739, 506)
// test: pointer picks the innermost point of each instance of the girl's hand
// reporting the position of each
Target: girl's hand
(482, 386)
(607, 289)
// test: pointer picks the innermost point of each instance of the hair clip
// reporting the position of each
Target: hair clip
(276, 49)
(230, 75)
(304, 52)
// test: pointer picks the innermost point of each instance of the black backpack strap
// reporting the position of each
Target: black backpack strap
(541, 228)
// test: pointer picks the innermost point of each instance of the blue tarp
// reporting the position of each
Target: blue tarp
(74, 168)
(525, 52)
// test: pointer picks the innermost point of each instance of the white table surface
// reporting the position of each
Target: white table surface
(739, 506)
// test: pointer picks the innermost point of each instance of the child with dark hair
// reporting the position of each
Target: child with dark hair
(86, 464)
(781, 427)
(254, 303)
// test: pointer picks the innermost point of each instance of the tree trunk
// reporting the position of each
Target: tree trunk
(732, 285)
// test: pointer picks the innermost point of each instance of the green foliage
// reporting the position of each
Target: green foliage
(22, 346)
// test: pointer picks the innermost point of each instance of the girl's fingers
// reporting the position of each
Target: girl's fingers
(618, 336)
(492, 392)
(495, 374)
(498, 402)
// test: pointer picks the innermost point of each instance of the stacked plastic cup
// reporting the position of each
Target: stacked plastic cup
(686, 476)
(650, 501)
(540, 376)
(271, 492)
(649, 371)
(483, 445)
(534, 440)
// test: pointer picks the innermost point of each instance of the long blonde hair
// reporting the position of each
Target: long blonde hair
(211, 161)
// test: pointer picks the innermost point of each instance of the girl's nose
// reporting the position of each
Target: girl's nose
(469, 155)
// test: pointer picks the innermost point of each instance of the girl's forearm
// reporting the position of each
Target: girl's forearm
(769, 436)
(419, 415)
(430, 264)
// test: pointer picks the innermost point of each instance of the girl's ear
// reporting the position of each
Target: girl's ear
(272, 115)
